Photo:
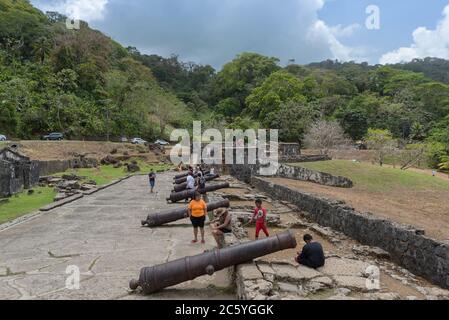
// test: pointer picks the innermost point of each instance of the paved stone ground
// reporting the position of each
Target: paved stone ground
(101, 234)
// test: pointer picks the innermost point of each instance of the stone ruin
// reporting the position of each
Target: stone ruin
(17, 172)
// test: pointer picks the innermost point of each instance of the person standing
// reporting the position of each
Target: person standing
(190, 183)
(152, 179)
(260, 216)
(197, 213)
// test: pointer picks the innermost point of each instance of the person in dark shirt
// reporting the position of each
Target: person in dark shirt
(312, 254)
(152, 179)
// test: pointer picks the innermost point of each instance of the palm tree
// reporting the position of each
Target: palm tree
(41, 48)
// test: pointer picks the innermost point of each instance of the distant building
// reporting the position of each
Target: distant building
(17, 172)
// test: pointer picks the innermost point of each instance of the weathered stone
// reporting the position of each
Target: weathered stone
(249, 272)
(326, 281)
(287, 273)
(342, 291)
(344, 267)
(288, 287)
(371, 251)
(265, 268)
(352, 282)
(306, 273)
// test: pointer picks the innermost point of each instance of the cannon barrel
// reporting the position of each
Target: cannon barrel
(183, 195)
(183, 186)
(183, 177)
(156, 278)
(167, 216)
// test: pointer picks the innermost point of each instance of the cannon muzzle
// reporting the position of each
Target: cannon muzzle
(156, 278)
(186, 194)
(167, 216)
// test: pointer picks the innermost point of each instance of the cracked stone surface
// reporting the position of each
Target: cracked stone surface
(102, 235)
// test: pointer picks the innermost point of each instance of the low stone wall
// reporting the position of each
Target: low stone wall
(54, 166)
(47, 168)
(304, 174)
(305, 158)
(407, 246)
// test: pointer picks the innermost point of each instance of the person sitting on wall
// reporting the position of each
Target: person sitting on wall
(312, 254)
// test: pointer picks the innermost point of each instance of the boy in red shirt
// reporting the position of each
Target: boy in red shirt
(260, 216)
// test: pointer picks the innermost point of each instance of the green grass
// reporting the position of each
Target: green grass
(378, 179)
(22, 203)
(106, 174)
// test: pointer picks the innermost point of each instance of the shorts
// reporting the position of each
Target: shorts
(198, 222)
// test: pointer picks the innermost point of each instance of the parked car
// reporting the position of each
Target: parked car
(138, 141)
(124, 139)
(2, 137)
(55, 136)
(162, 142)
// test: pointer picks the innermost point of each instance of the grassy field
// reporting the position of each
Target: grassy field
(23, 203)
(409, 197)
(375, 178)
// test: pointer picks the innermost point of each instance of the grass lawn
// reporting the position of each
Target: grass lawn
(375, 178)
(23, 203)
(106, 174)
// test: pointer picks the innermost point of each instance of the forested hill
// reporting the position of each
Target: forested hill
(84, 84)
(79, 82)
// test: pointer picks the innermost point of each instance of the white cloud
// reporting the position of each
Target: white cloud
(426, 43)
(319, 32)
(340, 31)
(88, 10)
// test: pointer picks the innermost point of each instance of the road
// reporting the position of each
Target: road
(101, 235)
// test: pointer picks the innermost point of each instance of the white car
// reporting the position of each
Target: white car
(162, 142)
(2, 137)
(138, 141)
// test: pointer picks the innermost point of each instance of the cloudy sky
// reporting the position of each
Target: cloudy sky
(214, 31)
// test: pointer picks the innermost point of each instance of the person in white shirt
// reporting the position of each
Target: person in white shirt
(190, 182)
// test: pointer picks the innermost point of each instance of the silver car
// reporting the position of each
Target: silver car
(2, 137)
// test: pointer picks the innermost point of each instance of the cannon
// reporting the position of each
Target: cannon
(183, 186)
(156, 278)
(160, 218)
(183, 177)
(186, 194)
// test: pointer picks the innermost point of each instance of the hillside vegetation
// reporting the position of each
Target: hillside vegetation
(84, 84)
(79, 82)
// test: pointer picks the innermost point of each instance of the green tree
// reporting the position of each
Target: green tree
(281, 87)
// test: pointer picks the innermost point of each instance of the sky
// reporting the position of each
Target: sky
(215, 31)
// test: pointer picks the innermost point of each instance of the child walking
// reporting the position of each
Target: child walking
(260, 216)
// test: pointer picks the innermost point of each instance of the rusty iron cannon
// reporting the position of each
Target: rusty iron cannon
(186, 194)
(167, 216)
(183, 186)
(181, 178)
(156, 278)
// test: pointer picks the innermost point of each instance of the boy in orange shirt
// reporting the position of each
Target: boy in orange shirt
(197, 213)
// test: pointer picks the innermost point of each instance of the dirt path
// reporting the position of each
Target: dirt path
(428, 210)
